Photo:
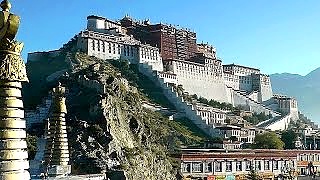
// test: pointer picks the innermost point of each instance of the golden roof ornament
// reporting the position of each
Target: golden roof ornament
(58, 104)
(9, 22)
(59, 91)
(12, 67)
(5, 5)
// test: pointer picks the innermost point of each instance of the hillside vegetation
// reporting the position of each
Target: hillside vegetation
(111, 132)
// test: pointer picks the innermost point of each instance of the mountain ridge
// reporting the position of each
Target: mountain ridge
(304, 88)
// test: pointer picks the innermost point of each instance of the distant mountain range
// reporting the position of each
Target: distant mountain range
(306, 89)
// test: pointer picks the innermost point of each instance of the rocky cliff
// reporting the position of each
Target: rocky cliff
(109, 130)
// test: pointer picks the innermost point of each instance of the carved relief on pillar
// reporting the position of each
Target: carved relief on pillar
(13, 146)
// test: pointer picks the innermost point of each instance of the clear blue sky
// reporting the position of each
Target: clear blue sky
(275, 36)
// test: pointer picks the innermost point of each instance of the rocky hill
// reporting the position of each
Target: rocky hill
(108, 128)
(305, 88)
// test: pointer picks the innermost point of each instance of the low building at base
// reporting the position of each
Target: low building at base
(239, 164)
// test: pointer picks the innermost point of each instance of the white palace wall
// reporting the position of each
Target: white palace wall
(207, 87)
(200, 79)
(240, 99)
(109, 46)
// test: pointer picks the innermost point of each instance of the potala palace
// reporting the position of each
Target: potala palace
(171, 57)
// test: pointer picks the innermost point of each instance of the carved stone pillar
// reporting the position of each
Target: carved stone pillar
(57, 152)
(13, 146)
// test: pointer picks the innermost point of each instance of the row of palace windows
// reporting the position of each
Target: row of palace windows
(201, 76)
(309, 157)
(149, 54)
(113, 48)
(217, 166)
(242, 132)
(213, 62)
(208, 78)
(286, 104)
(200, 71)
(239, 81)
(241, 70)
(211, 114)
(170, 76)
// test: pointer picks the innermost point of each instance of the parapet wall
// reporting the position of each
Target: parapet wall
(240, 99)
(37, 56)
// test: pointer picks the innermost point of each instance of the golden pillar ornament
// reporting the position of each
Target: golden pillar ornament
(13, 146)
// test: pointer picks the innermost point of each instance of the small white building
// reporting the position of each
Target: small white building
(244, 135)
(211, 115)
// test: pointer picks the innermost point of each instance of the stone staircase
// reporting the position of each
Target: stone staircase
(267, 122)
(276, 123)
(178, 102)
(35, 165)
(255, 106)
(40, 113)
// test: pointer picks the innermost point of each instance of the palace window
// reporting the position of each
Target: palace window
(292, 163)
(186, 167)
(239, 165)
(131, 50)
(208, 167)
(248, 165)
(197, 167)
(109, 45)
(93, 45)
(125, 50)
(275, 165)
(266, 165)
(114, 48)
(258, 165)
(228, 166)
(218, 166)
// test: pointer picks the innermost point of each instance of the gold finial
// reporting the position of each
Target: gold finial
(5, 5)
(9, 23)
(59, 91)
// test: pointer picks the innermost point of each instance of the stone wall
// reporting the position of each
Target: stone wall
(240, 99)
(40, 113)
(281, 124)
(109, 46)
(37, 56)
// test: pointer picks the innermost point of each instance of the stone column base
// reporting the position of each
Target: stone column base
(59, 170)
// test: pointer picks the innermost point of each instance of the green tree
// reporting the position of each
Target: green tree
(256, 118)
(203, 100)
(180, 90)
(253, 175)
(268, 140)
(289, 137)
(32, 146)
